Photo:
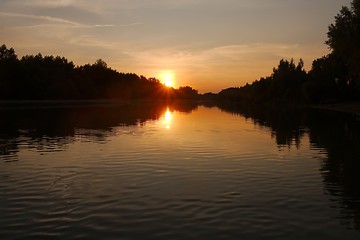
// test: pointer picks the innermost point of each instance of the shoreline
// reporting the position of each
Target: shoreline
(44, 104)
(347, 107)
(57, 104)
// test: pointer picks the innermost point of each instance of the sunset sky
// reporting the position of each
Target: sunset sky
(207, 44)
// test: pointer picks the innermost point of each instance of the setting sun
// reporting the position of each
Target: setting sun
(167, 78)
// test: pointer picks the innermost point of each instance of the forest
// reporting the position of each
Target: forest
(56, 78)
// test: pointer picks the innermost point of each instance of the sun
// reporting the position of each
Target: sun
(168, 83)
(168, 79)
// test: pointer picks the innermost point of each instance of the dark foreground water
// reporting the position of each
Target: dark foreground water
(178, 172)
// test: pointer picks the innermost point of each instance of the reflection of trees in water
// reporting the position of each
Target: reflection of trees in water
(52, 129)
(8, 147)
(338, 134)
(287, 124)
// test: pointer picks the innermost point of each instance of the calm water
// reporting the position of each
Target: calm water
(178, 172)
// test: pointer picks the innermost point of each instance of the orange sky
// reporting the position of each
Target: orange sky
(207, 44)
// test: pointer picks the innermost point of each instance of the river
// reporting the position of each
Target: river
(178, 171)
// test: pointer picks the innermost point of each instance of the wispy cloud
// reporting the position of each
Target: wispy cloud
(49, 3)
(54, 20)
(232, 53)
(91, 41)
(37, 17)
(104, 25)
(119, 25)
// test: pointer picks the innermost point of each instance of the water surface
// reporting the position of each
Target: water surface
(178, 171)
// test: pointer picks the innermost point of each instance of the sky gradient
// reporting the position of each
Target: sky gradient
(207, 44)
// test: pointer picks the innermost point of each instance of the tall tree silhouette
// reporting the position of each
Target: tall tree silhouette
(344, 40)
(9, 65)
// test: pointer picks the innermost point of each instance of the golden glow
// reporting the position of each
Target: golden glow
(168, 78)
(168, 116)
(167, 119)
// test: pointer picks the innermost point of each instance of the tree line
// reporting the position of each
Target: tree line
(37, 77)
(332, 78)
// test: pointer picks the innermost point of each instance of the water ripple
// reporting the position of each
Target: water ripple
(140, 184)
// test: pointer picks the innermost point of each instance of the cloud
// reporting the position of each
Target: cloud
(36, 17)
(228, 53)
(49, 3)
(48, 21)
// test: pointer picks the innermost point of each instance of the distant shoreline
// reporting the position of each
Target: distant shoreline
(58, 104)
(346, 107)
(71, 103)
(61, 101)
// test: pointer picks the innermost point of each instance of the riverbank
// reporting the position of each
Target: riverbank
(349, 107)
(29, 104)
(81, 103)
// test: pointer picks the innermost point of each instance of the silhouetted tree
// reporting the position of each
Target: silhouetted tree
(9, 71)
(7, 55)
(46, 77)
(287, 79)
(328, 80)
(187, 93)
(100, 63)
(344, 41)
(283, 86)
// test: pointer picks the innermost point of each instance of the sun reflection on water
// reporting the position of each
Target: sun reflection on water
(167, 118)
